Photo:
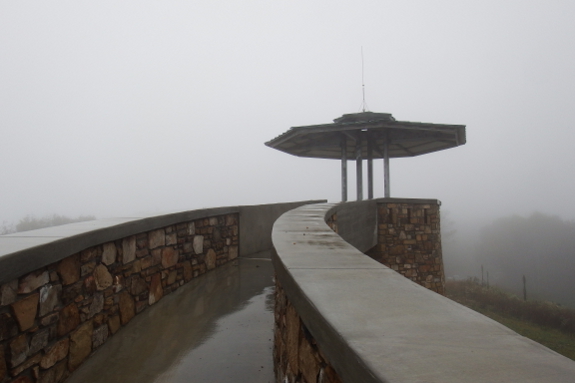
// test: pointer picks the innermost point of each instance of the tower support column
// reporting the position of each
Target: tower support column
(369, 167)
(386, 166)
(359, 168)
(343, 168)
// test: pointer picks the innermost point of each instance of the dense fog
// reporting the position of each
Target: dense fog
(139, 107)
(539, 247)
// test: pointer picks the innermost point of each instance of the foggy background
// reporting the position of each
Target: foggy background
(143, 107)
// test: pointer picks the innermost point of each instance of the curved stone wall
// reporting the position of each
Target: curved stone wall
(64, 290)
(342, 316)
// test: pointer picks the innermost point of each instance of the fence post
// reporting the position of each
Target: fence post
(524, 288)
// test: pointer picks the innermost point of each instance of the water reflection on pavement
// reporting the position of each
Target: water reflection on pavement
(217, 328)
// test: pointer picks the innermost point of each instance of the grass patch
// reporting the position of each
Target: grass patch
(546, 323)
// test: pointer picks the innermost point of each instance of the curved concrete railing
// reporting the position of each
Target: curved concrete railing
(23, 252)
(342, 315)
(64, 290)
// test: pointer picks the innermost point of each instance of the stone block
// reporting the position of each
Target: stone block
(136, 285)
(233, 252)
(188, 247)
(156, 290)
(169, 257)
(188, 271)
(191, 228)
(156, 238)
(39, 340)
(56, 353)
(99, 319)
(87, 268)
(56, 374)
(308, 361)
(25, 311)
(30, 362)
(88, 254)
(232, 220)
(292, 337)
(211, 259)
(172, 277)
(136, 266)
(157, 256)
(8, 327)
(141, 253)
(118, 284)
(69, 269)
(69, 320)
(50, 319)
(3, 368)
(127, 307)
(33, 281)
(109, 253)
(147, 262)
(140, 306)
(102, 277)
(114, 324)
(128, 249)
(100, 335)
(198, 244)
(22, 379)
(8, 293)
(69, 293)
(89, 287)
(18, 350)
(80, 345)
(141, 241)
(97, 305)
(49, 298)
(171, 239)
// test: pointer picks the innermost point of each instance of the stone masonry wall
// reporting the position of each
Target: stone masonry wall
(409, 242)
(52, 319)
(297, 358)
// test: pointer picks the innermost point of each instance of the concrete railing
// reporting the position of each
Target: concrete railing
(342, 316)
(64, 290)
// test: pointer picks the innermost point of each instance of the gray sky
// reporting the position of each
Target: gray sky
(118, 108)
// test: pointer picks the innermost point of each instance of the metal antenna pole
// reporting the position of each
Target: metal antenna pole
(363, 103)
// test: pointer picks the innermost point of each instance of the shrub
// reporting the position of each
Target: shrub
(471, 293)
(32, 223)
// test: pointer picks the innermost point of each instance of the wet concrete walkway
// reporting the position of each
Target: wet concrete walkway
(217, 328)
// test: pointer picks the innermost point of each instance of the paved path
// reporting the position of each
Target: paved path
(217, 328)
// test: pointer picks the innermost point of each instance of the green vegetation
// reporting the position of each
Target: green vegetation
(32, 223)
(544, 322)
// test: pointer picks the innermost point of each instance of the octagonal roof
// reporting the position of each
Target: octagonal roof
(405, 138)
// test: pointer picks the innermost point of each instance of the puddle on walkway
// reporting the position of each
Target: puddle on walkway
(217, 328)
